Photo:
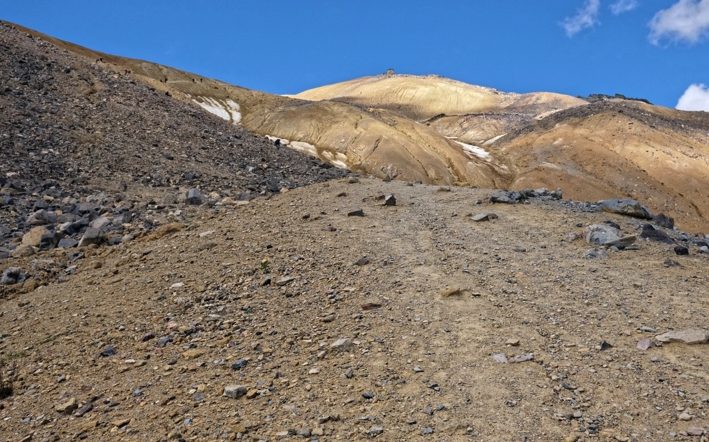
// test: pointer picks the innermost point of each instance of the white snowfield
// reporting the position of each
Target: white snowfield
(228, 110)
(335, 158)
(474, 150)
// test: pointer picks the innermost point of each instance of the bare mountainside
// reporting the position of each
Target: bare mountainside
(437, 130)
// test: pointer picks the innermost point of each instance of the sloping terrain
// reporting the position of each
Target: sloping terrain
(437, 130)
(74, 132)
(288, 319)
(658, 156)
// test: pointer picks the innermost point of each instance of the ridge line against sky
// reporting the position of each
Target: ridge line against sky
(654, 49)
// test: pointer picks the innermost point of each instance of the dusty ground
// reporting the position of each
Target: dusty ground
(180, 310)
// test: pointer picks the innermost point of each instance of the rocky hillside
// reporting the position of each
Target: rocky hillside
(437, 130)
(81, 142)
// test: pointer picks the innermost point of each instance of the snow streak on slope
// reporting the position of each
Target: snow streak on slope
(228, 110)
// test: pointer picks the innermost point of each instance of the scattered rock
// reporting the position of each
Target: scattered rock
(12, 275)
(595, 254)
(681, 250)
(194, 197)
(644, 344)
(390, 200)
(651, 233)
(358, 212)
(507, 197)
(235, 391)
(91, 236)
(239, 364)
(485, 216)
(688, 336)
(342, 344)
(628, 207)
(40, 237)
(663, 220)
(375, 431)
(362, 261)
(108, 351)
(695, 431)
(67, 407)
(285, 281)
(602, 234)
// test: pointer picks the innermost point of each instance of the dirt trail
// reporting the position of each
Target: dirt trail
(191, 313)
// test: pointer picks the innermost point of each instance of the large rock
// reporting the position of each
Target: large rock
(686, 336)
(12, 275)
(601, 234)
(91, 236)
(628, 207)
(650, 232)
(40, 237)
(42, 217)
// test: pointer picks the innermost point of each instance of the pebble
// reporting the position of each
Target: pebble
(358, 212)
(235, 391)
(375, 431)
(390, 200)
(67, 407)
(342, 344)
(239, 364)
(485, 216)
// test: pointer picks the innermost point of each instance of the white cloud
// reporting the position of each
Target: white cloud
(686, 20)
(623, 6)
(695, 98)
(586, 17)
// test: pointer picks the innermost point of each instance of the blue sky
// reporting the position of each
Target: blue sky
(576, 47)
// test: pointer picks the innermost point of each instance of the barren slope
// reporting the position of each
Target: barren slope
(270, 299)
(437, 130)
(607, 149)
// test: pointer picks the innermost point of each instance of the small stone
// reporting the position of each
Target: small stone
(40, 237)
(67, 407)
(239, 364)
(604, 345)
(684, 416)
(193, 353)
(164, 340)
(644, 344)
(688, 336)
(681, 250)
(522, 358)
(375, 431)
(695, 431)
(500, 358)
(362, 261)
(480, 217)
(100, 223)
(418, 369)
(108, 351)
(120, 422)
(358, 212)
(67, 243)
(251, 394)
(285, 281)
(390, 200)
(513, 342)
(342, 344)
(235, 391)
(194, 197)
(425, 431)
(368, 395)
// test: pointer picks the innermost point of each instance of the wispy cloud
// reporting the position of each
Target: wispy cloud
(686, 20)
(623, 6)
(695, 98)
(585, 18)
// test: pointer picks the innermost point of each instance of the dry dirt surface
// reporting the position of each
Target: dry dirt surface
(293, 318)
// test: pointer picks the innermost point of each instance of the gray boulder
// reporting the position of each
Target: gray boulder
(12, 275)
(91, 236)
(194, 197)
(627, 207)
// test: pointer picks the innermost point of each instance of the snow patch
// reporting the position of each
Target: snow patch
(228, 110)
(492, 140)
(474, 150)
(335, 158)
